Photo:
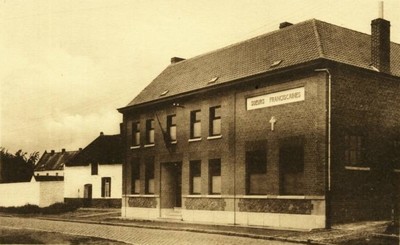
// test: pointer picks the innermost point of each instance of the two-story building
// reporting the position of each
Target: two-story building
(297, 128)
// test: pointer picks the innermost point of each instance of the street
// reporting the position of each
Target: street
(130, 235)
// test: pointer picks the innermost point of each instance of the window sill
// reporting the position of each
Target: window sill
(396, 170)
(135, 147)
(203, 196)
(149, 145)
(194, 140)
(357, 168)
(140, 195)
(173, 142)
(214, 137)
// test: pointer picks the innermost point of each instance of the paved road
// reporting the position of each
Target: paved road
(131, 235)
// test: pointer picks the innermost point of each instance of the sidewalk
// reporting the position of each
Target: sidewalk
(338, 234)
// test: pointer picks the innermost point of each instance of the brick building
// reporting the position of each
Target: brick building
(297, 128)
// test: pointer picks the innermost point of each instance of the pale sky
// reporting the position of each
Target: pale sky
(67, 65)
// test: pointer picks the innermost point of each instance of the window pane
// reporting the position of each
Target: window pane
(216, 130)
(197, 130)
(217, 112)
(136, 140)
(151, 136)
(258, 184)
(151, 186)
(172, 133)
(292, 168)
(196, 185)
(137, 186)
(216, 184)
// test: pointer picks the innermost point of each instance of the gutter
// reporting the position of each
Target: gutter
(329, 132)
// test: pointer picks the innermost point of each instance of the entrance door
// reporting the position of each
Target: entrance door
(87, 195)
(171, 185)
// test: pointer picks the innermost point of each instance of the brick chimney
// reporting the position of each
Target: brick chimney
(284, 24)
(380, 44)
(176, 60)
(63, 150)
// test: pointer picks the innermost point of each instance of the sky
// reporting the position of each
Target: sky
(67, 65)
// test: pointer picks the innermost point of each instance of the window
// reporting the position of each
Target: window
(291, 161)
(215, 176)
(135, 189)
(195, 177)
(195, 124)
(106, 187)
(136, 133)
(256, 172)
(353, 150)
(150, 131)
(149, 177)
(171, 127)
(215, 121)
(94, 168)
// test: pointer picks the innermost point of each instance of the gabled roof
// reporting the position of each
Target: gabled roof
(292, 45)
(54, 160)
(105, 149)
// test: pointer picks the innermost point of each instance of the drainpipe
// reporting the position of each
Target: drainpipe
(328, 171)
(234, 159)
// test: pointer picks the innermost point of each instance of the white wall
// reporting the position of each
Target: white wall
(36, 193)
(75, 179)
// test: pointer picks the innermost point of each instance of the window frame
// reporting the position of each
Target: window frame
(256, 164)
(354, 149)
(215, 119)
(195, 119)
(136, 133)
(171, 123)
(149, 176)
(214, 170)
(150, 132)
(135, 176)
(104, 191)
(194, 172)
(94, 169)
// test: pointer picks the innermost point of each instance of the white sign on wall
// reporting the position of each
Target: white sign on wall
(278, 98)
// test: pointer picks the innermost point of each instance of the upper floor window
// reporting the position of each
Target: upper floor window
(195, 124)
(195, 177)
(136, 133)
(150, 131)
(214, 171)
(94, 168)
(171, 127)
(215, 121)
(353, 153)
(256, 172)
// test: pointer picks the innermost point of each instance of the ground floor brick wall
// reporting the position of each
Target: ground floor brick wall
(96, 202)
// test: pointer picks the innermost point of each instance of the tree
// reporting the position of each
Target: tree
(17, 167)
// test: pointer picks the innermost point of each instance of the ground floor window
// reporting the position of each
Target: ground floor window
(195, 177)
(353, 153)
(135, 174)
(106, 187)
(256, 172)
(215, 176)
(291, 161)
(150, 176)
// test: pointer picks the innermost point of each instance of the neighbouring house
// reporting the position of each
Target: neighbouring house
(46, 186)
(94, 176)
(50, 166)
(297, 128)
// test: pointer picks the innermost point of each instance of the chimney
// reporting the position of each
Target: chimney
(101, 134)
(176, 60)
(284, 24)
(380, 43)
(52, 152)
(63, 150)
(80, 148)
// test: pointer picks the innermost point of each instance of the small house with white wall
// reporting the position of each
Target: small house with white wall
(94, 176)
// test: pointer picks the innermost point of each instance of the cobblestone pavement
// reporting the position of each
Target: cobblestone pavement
(130, 235)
